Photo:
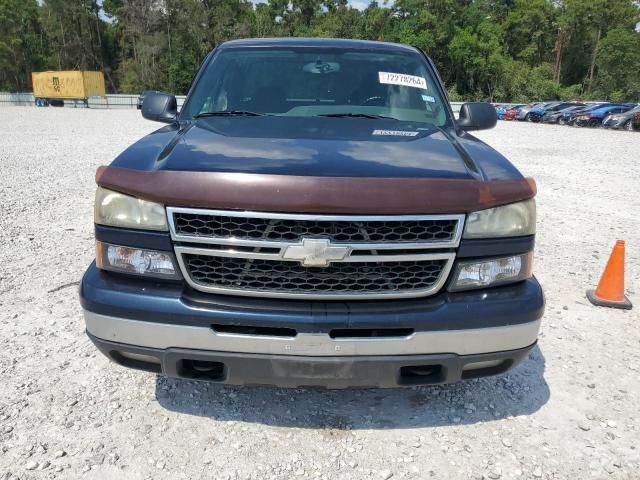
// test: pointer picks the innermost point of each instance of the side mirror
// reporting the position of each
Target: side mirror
(477, 116)
(160, 107)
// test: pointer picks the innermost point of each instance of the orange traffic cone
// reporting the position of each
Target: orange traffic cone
(610, 291)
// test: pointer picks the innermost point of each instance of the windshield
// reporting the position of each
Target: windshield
(306, 82)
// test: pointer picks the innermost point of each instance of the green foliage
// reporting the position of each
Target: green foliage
(570, 92)
(523, 82)
(618, 62)
(477, 59)
(453, 94)
(514, 50)
(413, 24)
(21, 50)
(529, 31)
(75, 36)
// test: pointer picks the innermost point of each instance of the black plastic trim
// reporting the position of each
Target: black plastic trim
(493, 247)
(388, 371)
(134, 238)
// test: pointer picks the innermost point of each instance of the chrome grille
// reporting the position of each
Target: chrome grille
(283, 229)
(314, 256)
(291, 277)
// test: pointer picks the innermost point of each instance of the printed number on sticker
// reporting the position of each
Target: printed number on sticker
(402, 79)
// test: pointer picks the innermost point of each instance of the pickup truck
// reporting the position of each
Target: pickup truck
(314, 215)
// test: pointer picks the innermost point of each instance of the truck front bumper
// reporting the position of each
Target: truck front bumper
(170, 329)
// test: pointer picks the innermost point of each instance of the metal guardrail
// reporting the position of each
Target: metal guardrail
(130, 101)
(122, 101)
(106, 102)
(17, 99)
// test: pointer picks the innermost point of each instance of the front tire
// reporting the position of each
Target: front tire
(593, 123)
(628, 126)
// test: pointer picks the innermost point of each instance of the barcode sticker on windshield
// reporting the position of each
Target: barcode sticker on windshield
(402, 79)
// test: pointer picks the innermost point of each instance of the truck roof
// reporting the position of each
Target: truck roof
(317, 42)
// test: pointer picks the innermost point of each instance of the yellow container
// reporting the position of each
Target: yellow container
(76, 85)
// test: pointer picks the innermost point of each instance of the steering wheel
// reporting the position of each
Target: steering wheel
(372, 99)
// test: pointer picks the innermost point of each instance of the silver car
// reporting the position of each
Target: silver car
(622, 120)
(523, 113)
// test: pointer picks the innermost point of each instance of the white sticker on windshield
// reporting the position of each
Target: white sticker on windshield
(395, 133)
(402, 79)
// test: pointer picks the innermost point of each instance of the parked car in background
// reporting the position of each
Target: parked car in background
(511, 113)
(607, 114)
(500, 110)
(595, 117)
(569, 118)
(554, 116)
(523, 113)
(622, 120)
(536, 114)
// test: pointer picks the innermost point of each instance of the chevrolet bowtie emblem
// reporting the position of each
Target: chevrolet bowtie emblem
(315, 252)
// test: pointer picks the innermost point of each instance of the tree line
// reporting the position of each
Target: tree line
(498, 50)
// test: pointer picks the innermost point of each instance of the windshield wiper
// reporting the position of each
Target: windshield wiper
(228, 113)
(356, 115)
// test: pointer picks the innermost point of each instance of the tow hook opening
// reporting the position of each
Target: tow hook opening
(201, 370)
(421, 374)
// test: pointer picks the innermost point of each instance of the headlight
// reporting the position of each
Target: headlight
(119, 210)
(491, 272)
(513, 220)
(137, 261)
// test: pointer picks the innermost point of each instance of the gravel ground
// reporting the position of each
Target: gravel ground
(569, 411)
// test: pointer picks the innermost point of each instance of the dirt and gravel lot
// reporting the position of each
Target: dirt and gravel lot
(570, 411)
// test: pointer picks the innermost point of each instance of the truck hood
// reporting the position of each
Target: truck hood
(316, 165)
(332, 147)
